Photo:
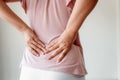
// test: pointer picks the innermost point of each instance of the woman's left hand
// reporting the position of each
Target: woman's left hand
(62, 45)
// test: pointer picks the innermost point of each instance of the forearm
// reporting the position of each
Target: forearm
(81, 10)
(8, 15)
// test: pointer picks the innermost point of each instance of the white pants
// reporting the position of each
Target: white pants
(28, 73)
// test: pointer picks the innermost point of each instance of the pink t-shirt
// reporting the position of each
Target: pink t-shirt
(48, 18)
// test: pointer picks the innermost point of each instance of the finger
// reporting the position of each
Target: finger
(38, 45)
(39, 42)
(55, 54)
(51, 44)
(62, 55)
(37, 39)
(33, 51)
(35, 48)
(53, 47)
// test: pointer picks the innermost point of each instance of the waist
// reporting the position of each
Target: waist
(47, 35)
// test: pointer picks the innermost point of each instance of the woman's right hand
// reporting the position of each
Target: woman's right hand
(35, 46)
(32, 42)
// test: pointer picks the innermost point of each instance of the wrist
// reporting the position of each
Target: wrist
(70, 33)
(24, 29)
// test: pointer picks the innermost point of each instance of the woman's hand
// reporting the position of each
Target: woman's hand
(33, 43)
(62, 45)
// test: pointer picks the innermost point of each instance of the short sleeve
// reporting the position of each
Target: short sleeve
(70, 3)
(24, 6)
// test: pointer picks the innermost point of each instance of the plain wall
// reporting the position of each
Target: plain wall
(11, 47)
(118, 36)
(98, 37)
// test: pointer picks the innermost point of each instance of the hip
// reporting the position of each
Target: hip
(28, 73)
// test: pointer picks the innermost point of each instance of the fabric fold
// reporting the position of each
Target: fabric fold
(70, 3)
(24, 6)
(48, 18)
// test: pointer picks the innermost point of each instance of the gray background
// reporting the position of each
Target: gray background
(99, 36)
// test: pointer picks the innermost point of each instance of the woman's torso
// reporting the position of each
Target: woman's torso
(48, 18)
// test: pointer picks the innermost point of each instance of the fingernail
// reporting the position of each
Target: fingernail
(57, 61)
(37, 55)
(49, 58)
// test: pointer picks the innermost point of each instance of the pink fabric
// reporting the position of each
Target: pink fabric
(48, 18)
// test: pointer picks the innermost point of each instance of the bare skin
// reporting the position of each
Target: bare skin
(31, 39)
(62, 44)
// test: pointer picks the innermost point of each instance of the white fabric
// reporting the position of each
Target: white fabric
(28, 73)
